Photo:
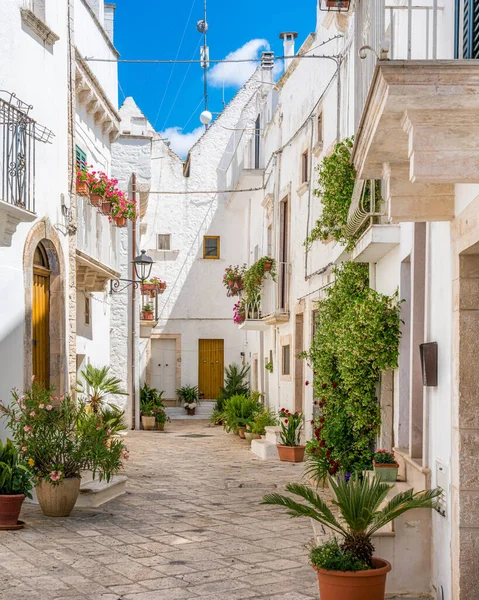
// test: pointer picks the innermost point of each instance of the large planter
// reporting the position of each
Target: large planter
(120, 221)
(148, 423)
(58, 500)
(386, 471)
(146, 315)
(291, 453)
(359, 585)
(82, 188)
(10, 507)
(96, 199)
(190, 411)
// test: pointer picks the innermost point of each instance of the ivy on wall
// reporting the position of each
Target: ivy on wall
(357, 337)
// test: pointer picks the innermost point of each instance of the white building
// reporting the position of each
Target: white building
(53, 108)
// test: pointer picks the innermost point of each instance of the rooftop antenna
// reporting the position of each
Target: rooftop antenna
(202, 27)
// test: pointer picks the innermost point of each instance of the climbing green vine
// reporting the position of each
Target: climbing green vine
(357, 337)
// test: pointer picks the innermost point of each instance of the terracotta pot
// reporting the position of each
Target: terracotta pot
(146, 315)
(148, 423)
(120, 221)
(242, 432)
(386, 471)
(160, 426)
(343, 4)
(291, 453)
(58, 500)
(10, 507)
(96, 199)
(162, 286)
(359, 585)
(106, 208)
(251, 436)
(268, 266)
(82, 188)
(148, 287)
(190, 411)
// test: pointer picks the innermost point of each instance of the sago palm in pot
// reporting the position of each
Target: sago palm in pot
(362, 511)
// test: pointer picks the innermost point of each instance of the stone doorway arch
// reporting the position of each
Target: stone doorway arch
(44, 235)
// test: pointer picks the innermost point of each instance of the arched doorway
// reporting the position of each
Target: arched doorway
(41, 316)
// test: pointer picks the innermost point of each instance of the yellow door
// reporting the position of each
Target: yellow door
(41, 325)
(211, 367)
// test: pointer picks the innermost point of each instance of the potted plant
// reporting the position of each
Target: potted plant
(82, 184)
(385, 465)
(16, 481)
(147, 313)
(340, 4)
(269, 366)
(290, 449)
(239, 312)
(96, 384)
(151, 404)
(189, 396)
(348, 570)
(123, 209)
(161, 418)
(99, 183)
(148, 419)
(62, 438)
(239, 412)
(233, 279)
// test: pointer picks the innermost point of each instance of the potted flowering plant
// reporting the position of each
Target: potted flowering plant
(16, 481)
(83, 179)
(189, 396)
(147, 313)
(347, 569)
(152, 286)
(385, 465)
(239, 312)
(233, 279)
(61, 438)
(99, 184)
(290, 449)
(123, 210)
(112, 196)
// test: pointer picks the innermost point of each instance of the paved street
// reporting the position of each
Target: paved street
(190, 526)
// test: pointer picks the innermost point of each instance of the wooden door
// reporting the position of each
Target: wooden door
(163, 367)
(41, 325)
(211, 367)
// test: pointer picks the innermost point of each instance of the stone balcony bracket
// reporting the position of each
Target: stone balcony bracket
(92, 276)
(10, 217)
(420, 132)
(90, 93)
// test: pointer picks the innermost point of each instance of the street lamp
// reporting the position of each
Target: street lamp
(143, 265)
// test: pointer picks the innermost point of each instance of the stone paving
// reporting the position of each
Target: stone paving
(190, 526)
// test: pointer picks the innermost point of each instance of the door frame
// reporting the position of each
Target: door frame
(164, 336)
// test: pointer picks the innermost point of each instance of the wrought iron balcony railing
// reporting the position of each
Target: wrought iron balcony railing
(18, 134)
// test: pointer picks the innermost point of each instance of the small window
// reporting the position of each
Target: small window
(211, 246)
(286, 356)
(87, 310)
(305, 167)
(320, 128)
(80, 158)
(164, 241)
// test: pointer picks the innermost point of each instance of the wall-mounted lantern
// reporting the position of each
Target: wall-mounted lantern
(428, 353)
(143, 265)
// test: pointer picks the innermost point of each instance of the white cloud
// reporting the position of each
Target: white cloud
(236, 74)
(182, 142)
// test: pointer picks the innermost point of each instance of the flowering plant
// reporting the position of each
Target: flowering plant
(60, 438)
(123, 207)
(291, 427)
(99, 183)
(15, 476)
(83, 176)
(384, 457)
(234, 273)
(190, 405)
(239, 312)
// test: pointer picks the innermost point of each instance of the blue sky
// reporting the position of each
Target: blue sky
(154, 29)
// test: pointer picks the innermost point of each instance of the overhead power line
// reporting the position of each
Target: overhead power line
(171, 61)
(187, 192)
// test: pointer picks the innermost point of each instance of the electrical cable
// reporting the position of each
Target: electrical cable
(193, 113)
(169, 61)
(187, 192)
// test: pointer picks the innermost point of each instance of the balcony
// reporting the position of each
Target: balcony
(97, 248)
(18, 136)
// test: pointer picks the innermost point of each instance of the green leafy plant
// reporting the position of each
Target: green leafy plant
(113, 417)
(291, 427)
(318, 465)
(236, 384)
(147, 308)
(332, 557)
(384, 457)
(15, 476)
(269, 366)
(358, 502)
(152, 405)
(356, 338)
(189, 396)
(61, 437)
(239, 411)
(97, 385)
(265, 418)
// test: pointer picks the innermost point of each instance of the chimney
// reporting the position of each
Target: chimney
(109, 19)
(288, 38)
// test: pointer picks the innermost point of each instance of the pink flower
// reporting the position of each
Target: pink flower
(55, 475)
(33, 378)
(41, 406)
(49, 407)
(32, 414)
(27, 429)
(24, 449)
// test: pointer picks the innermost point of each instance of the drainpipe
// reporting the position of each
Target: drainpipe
(133, 311)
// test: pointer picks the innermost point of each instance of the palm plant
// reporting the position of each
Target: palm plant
(240, 411)
(113, 418)
(188, 394)
(236, 384)
(97, 384)
(359, 503)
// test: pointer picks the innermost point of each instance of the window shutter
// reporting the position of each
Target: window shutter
(80, 157)
(470, 43)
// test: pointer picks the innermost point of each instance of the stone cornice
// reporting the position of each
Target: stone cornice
(30, 19)
(101, 29)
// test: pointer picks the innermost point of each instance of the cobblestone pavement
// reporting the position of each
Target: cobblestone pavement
(190, 526)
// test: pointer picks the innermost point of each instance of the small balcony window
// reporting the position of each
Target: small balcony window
(286, 360)
(211, 247)
(164, 241)
(305, 167)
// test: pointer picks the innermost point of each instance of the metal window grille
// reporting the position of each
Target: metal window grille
(470, 29)
(164, 241)
(18, 134)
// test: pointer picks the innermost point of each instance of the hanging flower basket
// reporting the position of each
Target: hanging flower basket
(96, 200)
(147, 288)
(268, 266)
(106, 208)
(120, 221)
(162, 286)
(82, 188)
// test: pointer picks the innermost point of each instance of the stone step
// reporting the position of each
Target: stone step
(264, 449)
(203, 411)
(95, 493)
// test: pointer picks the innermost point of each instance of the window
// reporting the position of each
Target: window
(286, 360)
(80, 157)
(211, 246)
(305, 167)
(164, 241)
(320, 128)
(314, 323)
(470, 33)
(87, 310)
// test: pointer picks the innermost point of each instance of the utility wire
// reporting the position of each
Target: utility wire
(170, 61)
(187, 192)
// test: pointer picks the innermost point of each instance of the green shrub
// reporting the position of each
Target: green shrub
(15, 477)
(265, 418)
(240, 411)
(330, 556)
(236, 384)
